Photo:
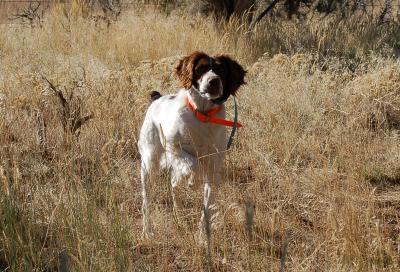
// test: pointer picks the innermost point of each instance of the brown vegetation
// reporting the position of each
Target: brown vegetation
(312, 181)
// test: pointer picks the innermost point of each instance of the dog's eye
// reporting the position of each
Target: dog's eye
(202, 69)
(219, 68)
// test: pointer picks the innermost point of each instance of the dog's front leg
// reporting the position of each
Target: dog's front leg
(185, 169)
(212, 182)
(207, 213)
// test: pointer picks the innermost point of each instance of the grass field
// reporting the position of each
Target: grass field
(319, 154)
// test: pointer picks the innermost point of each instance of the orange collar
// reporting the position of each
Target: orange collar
(208, 117)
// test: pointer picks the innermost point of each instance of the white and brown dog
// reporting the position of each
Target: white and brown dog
(185, 132)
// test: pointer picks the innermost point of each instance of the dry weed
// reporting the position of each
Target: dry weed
(318, 155)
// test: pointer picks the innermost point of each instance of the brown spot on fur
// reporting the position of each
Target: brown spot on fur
(186, 66)
(235, 73)
(154, 95)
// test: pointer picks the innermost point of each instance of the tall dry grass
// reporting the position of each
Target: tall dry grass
(312, 183)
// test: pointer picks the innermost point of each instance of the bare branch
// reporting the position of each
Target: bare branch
(268, 9)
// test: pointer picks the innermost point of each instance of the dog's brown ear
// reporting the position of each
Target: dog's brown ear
(235, 74)
(185, 67)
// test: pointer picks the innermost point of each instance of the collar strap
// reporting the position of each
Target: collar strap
(221, 100)
(208, 117)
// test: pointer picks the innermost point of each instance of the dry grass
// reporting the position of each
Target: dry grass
(319, 154)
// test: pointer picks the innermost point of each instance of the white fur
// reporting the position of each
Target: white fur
(204, 83)
(171, 137)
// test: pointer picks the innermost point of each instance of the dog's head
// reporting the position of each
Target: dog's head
(215, 78)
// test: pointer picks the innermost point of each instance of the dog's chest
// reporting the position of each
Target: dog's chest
(196, 137)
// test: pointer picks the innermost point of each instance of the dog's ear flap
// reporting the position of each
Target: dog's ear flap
(235, 74)
(184, 69)
(184, 72)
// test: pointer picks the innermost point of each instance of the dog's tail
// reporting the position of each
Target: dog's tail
(154, 95)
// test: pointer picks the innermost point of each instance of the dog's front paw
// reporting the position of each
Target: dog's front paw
(202, 239)
(191, 179)
(148, 232)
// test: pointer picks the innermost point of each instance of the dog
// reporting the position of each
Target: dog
(186, 132)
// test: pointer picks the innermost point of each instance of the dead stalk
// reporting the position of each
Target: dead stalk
(249, 213)
(70, 112)
(207, 229)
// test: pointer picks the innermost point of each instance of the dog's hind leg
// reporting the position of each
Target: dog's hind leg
(150, 150)
(145, 178)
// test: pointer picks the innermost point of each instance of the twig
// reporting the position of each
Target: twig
(63, 260)
(284, 251)
(265, 12)
(40, 130)
(207, 228)
(249, 213)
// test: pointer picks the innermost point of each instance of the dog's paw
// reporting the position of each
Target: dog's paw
(201, 239)
(191, 179)
(147, 233)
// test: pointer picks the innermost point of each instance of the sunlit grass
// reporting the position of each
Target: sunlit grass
(319, 146)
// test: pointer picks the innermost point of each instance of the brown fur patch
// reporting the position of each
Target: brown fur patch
(154, 95)
(186, 66)
(234, 74)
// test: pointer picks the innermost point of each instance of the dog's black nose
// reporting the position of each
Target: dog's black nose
(214, 82)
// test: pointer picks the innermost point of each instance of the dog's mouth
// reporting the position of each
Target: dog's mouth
(211, 94)
(211, 89)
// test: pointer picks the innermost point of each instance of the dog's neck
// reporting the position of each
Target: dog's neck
(202, 104)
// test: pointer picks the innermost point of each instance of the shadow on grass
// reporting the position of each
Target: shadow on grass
(379, 178)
